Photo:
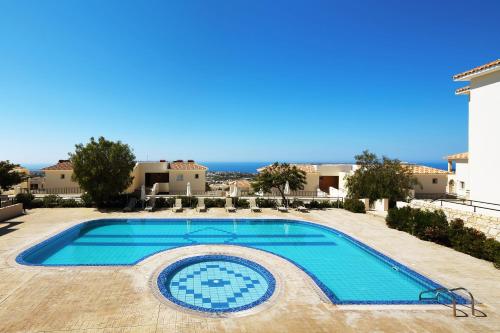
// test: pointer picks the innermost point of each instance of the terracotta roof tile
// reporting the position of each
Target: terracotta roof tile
(61, 165)
(485, 67)
(459, 156)
(186, 166)
(463, 91)
(307, 168)
(425, 170)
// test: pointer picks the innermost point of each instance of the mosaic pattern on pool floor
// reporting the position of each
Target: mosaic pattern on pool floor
(217, 284)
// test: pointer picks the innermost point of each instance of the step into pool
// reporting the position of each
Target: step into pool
(348, 271)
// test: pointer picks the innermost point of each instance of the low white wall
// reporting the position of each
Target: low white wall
(381, 205)
(11, 211)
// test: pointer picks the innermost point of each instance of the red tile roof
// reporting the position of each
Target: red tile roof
(61, 165)
(186, 166)
(307, 168)
(463, 91)
(486, 67)
(459, 156)
(425, 170)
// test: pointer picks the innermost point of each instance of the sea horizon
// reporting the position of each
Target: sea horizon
(251, 167)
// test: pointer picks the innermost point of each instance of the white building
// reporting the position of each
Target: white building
(484, 132)
(458, 180)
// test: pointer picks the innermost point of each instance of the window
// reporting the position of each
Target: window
(196, 176)
(62, 176)
(180, 178)
(434, 180)
(462, 185)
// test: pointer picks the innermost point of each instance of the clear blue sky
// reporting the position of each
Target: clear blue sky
(240, 80)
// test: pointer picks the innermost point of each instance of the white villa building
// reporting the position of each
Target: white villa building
(171, 177)
(483, 158)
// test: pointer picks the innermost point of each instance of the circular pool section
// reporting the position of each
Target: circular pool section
(216, 283)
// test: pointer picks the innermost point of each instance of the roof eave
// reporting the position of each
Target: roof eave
(468, 77)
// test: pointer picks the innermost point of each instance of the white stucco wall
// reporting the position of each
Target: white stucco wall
(461, 176)
(484, 138)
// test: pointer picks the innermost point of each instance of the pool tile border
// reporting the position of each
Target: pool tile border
(173, 268)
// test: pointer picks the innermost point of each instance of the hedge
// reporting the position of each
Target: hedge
(354, 205)
(433, 226)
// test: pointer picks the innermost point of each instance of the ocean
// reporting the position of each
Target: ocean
(245, 167)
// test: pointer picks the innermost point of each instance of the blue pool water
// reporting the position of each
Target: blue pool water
(348, 271)
(216, 283)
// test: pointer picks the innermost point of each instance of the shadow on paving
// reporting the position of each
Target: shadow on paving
(8, 227)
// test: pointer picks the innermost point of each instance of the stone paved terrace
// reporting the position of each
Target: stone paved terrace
(122, 299)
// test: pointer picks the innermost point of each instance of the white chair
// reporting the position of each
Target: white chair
(200, 207)
(253, 205)
(229, 205)
(178, 206)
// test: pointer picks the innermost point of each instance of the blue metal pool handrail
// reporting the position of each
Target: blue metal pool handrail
(449, 292)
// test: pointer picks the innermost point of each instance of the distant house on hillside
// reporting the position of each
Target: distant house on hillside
(433, 182)
(484, 136)
(171, 177)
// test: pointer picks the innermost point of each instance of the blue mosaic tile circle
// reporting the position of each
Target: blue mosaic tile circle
(216, 283)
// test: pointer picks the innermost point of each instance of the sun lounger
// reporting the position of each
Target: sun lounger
(130, 205)
(281, 207)
(151, 204)
(302, 209)
(178, 206)
(229, 205)
(201, 205)
(253, 205)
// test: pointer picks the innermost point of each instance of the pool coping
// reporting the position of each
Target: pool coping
(411, 273)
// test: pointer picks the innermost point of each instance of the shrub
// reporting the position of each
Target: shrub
(242, 203)
(398, 218)
(25, 199)
(51, 201)
(188, 202)
(160, 203)
(215, 203)
(37, 203)
(266, 203)
(296, 203)
(69, 203)
(354, 205)
(492, 251)
(86, 200)
(466, 240)
(313, 204)
(433, 226)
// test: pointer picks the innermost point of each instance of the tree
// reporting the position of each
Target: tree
(380, 178)
(276, 176)
(102, 168)
(8, 175)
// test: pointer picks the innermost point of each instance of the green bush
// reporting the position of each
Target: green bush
(70, 203)
(215, 203)
(433, 226)
(37, 203)
(51, 201)
(25, 199)
(492, 251)
(188, 202)
(354, 205)
(296, 203)
(266, 203)
(242, 203)
(86, 200)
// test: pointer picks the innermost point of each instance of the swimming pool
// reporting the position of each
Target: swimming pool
(348, 271)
